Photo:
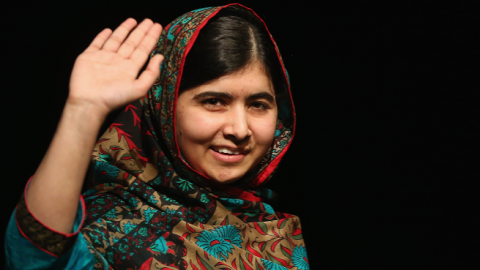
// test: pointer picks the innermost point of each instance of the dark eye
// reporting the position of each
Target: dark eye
(259, 105)
(212, 102)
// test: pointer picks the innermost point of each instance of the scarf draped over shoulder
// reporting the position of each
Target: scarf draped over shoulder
(150, 210)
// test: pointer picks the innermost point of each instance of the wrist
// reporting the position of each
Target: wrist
(86, 116)
(86, 109)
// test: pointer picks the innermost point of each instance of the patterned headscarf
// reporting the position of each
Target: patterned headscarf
(150, 210)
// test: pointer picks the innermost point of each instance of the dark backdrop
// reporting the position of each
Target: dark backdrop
(384, 168)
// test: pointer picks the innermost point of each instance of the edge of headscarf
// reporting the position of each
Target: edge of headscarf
(263, 175)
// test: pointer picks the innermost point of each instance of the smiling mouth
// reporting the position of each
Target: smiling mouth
(227, 156)
(225, 151)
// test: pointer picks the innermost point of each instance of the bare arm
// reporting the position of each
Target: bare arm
(104, 77)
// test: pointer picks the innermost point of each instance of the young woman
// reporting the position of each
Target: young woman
(177, 179)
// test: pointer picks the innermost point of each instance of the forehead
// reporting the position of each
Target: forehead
(248, 80)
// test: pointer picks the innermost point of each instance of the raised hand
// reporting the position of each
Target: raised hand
(105, 74)
(104, 77)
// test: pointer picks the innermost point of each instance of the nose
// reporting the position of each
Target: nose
(236, 125)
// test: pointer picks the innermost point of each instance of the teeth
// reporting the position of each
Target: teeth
(227, 151)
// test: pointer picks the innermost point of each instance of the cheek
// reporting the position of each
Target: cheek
(264, 131)
(195, 128)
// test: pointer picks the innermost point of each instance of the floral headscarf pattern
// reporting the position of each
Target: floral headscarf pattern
(150, 210)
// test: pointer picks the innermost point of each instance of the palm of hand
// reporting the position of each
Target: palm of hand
(104, 78)
(105, 74)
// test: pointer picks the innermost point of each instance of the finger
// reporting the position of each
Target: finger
(149, 75)
(119, 35)
(135, 38)
(146, 46)
(99, 40)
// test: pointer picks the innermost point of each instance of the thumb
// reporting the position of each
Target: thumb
(149, 75)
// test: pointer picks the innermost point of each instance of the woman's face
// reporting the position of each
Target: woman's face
(225, 128)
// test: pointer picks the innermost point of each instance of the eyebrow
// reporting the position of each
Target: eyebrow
(213, 94)
(260, 95)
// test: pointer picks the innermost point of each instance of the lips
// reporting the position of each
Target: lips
(227, 150)
(227, 154)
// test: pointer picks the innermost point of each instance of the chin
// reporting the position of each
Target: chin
(226, 176)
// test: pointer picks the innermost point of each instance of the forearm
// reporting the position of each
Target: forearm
(52, 195)
(104, 77)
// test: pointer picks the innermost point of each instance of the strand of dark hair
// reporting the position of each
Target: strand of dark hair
(228, 43)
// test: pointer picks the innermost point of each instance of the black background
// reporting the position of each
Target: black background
(384, 168)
